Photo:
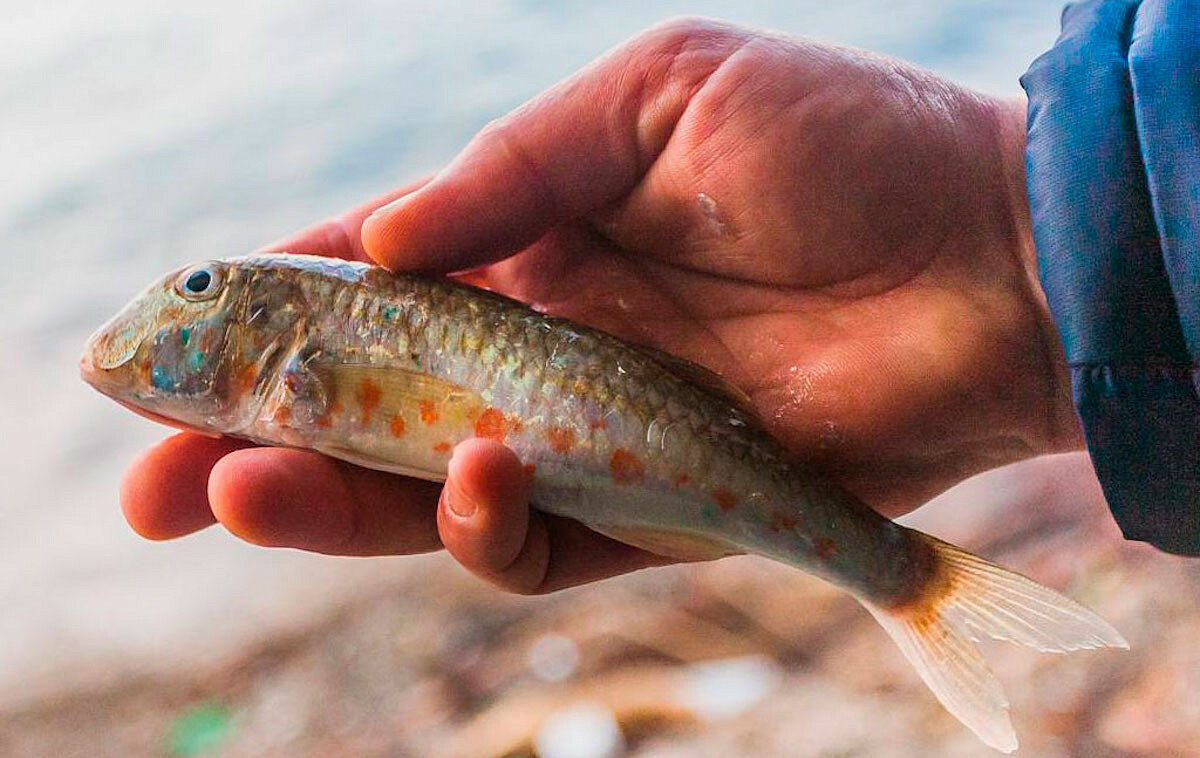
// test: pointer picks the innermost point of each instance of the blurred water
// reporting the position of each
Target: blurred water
(138, 135)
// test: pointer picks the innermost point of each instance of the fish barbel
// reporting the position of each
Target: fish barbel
(390, 371)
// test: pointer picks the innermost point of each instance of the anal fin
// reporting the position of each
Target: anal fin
(673, 544)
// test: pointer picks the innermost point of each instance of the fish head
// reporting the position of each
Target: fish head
(194, 349)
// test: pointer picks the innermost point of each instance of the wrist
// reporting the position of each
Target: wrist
(1052, 425)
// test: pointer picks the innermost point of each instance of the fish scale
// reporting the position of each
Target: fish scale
(392, 371)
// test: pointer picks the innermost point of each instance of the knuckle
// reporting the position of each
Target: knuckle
(500, 138)
(333, 239)
(680, 29)
(682, 53)
(493, 130)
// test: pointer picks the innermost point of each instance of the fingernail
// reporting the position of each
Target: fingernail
(386, 210)
(463, 507)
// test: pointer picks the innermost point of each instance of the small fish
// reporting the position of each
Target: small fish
(391, 371)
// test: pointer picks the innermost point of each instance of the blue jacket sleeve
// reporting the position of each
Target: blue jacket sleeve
(1113, 162)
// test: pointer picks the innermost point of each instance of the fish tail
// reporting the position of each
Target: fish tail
(968, 596)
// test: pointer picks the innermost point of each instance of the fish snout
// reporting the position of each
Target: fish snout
(106, 363)
(87, 365)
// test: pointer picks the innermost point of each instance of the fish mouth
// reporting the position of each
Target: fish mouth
(87, 366)
(107, 360)
(113, 383)
(168, 421)
(106, 380)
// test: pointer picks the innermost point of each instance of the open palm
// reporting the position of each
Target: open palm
(839, 235)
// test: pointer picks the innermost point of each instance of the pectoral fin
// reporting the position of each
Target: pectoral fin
(387, 390)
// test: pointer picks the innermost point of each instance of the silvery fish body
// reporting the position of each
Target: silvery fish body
(391, 371)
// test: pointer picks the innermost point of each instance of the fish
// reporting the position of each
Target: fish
(390, 371)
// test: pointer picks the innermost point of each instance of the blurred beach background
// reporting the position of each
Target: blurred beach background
(136, 136)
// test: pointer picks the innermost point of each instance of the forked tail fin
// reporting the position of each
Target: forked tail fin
(969, 595)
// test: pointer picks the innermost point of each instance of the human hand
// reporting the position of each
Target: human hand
(843, 237)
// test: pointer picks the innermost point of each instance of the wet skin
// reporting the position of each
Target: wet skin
(840, 235)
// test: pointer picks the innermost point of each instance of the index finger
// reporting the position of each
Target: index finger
(277, 497)
(576, 148)
(341, 235)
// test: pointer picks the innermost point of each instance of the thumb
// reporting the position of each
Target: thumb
(575, 148)
(485, 521)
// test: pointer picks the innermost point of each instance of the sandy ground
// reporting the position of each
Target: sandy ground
(737, 657)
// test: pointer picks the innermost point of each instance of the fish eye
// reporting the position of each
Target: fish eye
(199, 283)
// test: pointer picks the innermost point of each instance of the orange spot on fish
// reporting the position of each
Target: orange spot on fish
(243, 381)
(369, 396)
(514, 425)
(442, 447)
(625, 467)
(326, 418)
(561, 439)
(680, 479)
(597, 424)
(282, 414)
(490, 425)
(429, 412)
(825, 547)
(726, 500)
(397, 426)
